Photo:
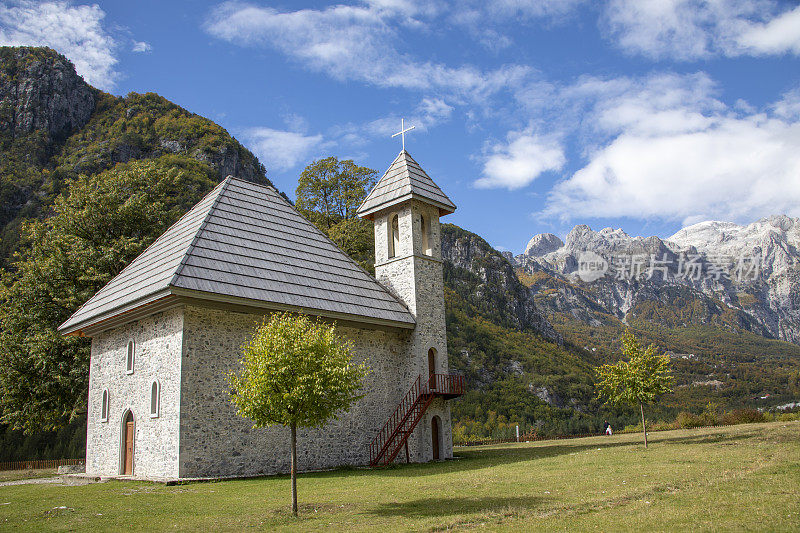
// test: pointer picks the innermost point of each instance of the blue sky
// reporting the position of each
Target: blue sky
(533, 115)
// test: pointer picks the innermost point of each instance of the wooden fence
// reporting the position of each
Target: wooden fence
(527, 438)
(533, 438)
(35, 465)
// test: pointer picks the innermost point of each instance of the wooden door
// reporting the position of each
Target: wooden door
(432, 368)
(128, 449)
(435, 437)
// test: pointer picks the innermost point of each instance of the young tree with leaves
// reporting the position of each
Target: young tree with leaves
(639, 380)
(295, 372)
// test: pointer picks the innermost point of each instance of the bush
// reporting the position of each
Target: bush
(743, 416)
(787, 417)
(687, 420)
(711, 415)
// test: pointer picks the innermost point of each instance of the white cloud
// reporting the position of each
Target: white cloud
(357, 42)
(280, 149)
(697, 29)
(527, 8)
(779, 35)
(141, 47)
(428, 113)
(75, 31)
(484, 19)
(517, 162)
(788, 107)
(667, 148)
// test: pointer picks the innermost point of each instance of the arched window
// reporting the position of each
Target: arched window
(432, 367)
(104, 407)
(394, 236)
(129, 357)
(425, 228)
(155, 399)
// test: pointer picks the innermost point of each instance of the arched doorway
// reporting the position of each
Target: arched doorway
(432, 368)
(127, 444)
(435, 437)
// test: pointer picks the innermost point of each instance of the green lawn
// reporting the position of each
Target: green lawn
(734, 478)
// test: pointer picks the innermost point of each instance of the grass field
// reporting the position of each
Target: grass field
(14, 475)
(733, 478)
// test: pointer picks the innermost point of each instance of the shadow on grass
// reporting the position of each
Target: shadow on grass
(707, 439)
(435, 507)
(487, 457)
(472, 459)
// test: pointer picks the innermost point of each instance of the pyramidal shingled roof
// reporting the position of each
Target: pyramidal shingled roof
(404, 180)
(245, 244)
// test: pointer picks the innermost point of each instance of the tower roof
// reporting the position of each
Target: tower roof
(404, 180)
(243, 245)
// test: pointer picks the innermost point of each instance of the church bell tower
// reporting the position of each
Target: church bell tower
(405, 206)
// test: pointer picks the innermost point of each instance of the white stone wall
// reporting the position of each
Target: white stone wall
(215, 441)
(158, 345)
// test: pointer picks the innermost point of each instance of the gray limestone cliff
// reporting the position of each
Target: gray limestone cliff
(486, 280)
(40, 90)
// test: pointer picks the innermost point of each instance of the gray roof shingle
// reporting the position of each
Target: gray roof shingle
(403, 180)
(244, 241)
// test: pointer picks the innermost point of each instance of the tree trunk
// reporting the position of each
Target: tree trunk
(644, 425)
(294, 468)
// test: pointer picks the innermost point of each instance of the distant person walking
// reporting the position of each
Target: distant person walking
(607, 428)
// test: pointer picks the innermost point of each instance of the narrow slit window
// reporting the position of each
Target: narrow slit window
(129, 357)
(394, 236)
(155, 399)
(104, 407)
(425, 228)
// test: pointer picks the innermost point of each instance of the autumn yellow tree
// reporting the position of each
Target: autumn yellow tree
(295, 372)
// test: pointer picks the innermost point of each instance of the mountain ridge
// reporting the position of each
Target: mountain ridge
(750, 269)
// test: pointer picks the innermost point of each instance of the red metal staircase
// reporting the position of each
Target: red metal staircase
(398, 428)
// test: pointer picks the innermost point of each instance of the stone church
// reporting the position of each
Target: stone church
(167, 330)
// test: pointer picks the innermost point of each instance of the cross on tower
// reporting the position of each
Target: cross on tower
(402, 132)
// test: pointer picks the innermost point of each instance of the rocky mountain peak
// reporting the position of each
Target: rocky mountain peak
(543, 244)
(40, 90)
(486, 279)
(734, 239)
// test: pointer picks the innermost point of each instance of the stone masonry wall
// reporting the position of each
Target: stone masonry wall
(215, 441)
(157, 340)
(417, 280)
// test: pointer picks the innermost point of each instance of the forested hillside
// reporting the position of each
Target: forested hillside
(55, 127)
(528, 344)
